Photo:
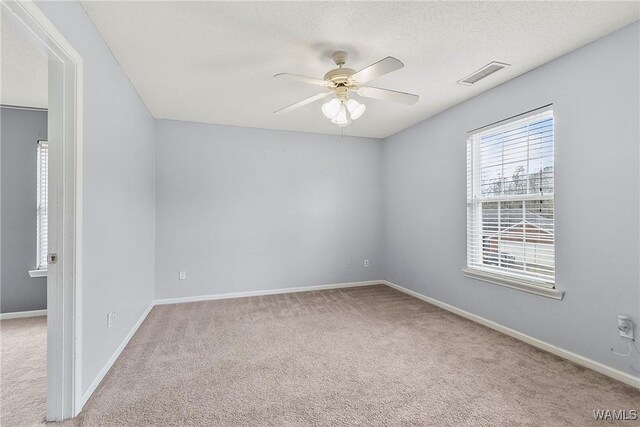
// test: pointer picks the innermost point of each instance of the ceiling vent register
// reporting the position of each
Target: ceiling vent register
(483, 72)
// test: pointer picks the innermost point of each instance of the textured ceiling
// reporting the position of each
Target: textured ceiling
(23, 78)
(214, 61)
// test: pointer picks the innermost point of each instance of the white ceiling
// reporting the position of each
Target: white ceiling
(23, 71)
(213, 62)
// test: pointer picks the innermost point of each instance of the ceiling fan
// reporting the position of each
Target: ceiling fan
(340, 81)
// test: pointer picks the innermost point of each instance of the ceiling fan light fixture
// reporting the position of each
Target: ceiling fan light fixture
(342, 119)
(331, 109)
(355, 108)
(342, 81)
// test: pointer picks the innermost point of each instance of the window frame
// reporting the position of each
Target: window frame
(41, 264)
(474, 224)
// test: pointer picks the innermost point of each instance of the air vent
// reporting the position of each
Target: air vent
(483, 72)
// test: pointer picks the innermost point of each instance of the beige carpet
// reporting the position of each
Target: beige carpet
(23, 375)
(361, 356)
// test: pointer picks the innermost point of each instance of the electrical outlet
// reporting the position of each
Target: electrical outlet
(111, 316)
(182, 275)
(366, 263)
(625, 327)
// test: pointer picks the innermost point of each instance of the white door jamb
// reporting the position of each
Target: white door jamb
(64, 278)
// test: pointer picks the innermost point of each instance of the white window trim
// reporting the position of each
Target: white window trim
(38, 273)
(502, 278)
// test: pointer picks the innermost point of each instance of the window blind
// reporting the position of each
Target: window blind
(510, 202)
(42, 205)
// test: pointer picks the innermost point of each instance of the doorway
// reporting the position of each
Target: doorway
(62, 257)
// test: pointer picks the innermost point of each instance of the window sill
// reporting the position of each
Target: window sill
(37, 273)
(512, 283)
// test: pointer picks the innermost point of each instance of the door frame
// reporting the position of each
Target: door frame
(64, 278)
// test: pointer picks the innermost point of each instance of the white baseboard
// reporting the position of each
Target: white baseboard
(162, 301)
(96, 382)
(565, 354)
(19, 314)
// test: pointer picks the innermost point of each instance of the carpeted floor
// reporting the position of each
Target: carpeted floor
(23, 371)
(359, 356)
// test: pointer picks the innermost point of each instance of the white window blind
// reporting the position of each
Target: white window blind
(510, 213)
(42, 205)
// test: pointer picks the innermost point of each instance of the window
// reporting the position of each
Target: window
(42, 205)
(510, 213)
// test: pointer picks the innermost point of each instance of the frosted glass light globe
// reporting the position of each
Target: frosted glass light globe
(355, 108)
(331, 109)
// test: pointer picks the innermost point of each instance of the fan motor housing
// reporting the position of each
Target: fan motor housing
(339, 76)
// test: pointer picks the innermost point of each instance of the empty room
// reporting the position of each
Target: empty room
(320, 213)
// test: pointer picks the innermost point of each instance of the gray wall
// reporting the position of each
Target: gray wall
(596, 104)
(244, 209)
(21, 129)
(118, 241)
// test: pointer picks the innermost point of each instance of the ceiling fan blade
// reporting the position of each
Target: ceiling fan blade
(388, 95)
(304, 79)
(303, 102)
(376, 70)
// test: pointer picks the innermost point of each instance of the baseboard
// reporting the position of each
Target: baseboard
(565, 354)
(19, 314)
(96, 382)
(162, 301)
